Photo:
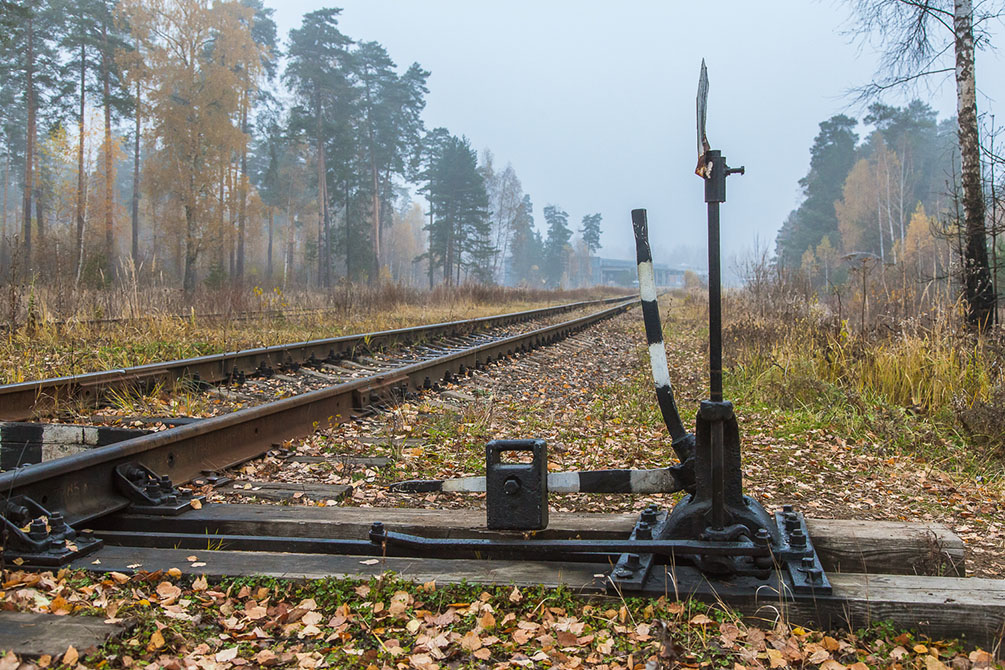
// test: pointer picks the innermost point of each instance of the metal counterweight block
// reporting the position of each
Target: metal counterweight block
(516, 494)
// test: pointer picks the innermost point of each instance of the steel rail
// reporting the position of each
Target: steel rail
(22, 401)
(81, 486)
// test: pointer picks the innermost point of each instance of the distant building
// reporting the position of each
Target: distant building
(617, 272)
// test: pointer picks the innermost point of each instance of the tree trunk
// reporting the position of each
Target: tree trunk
(136, 181)
(80, 166)
(242, 192)
(109, 177)
(39, 205)
(191, 252)
(976, 274)
(268, 255)
(6, 187)
(375, 275)
(323, 276)
(29, 149)
(429, 258)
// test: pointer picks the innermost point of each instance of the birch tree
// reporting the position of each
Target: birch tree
(917, 36)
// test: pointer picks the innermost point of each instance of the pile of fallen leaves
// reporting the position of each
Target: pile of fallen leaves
(178, 623)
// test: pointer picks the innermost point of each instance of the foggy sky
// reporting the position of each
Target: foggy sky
(593, 103)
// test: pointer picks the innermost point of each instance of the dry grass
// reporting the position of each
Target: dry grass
(39, 346)
(953, 378)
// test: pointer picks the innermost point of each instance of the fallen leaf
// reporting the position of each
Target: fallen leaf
(196, 503)
(701, 620)
(932, 663)
(60, 606)
(266, 657)
(980, 657)
(471, 641)
(515, 595)
(10, 662)
(168, 591)
(370, 561)
(224, 655)
(776, 658)
(174, 572)
(156, 641)
(819, 656)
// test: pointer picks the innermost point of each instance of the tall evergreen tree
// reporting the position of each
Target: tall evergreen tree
(460, 210)
(30, 64)
(317, 71)
(527, 249)
(591, 232)
(557, 248)
(831, 159)
(389, 108)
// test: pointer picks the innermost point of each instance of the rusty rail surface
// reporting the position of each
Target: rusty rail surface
(81, 486)
(26, 400)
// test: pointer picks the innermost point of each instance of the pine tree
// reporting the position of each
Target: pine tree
(318, 73)
(831, 159)
(556, 249)
(591, 232)
(459, 223)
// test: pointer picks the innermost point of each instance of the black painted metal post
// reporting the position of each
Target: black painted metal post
(715, 192)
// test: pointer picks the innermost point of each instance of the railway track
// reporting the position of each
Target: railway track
(329, 356)
(82, 487)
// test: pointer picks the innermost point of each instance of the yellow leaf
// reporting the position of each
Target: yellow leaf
(196, 503)
(71, 656)
(174, 572)
(156, 641)
(59, 605)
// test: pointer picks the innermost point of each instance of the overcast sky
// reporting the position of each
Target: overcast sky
(593, 103)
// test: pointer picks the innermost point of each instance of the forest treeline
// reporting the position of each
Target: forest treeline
(886, 207)
(185, 142)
